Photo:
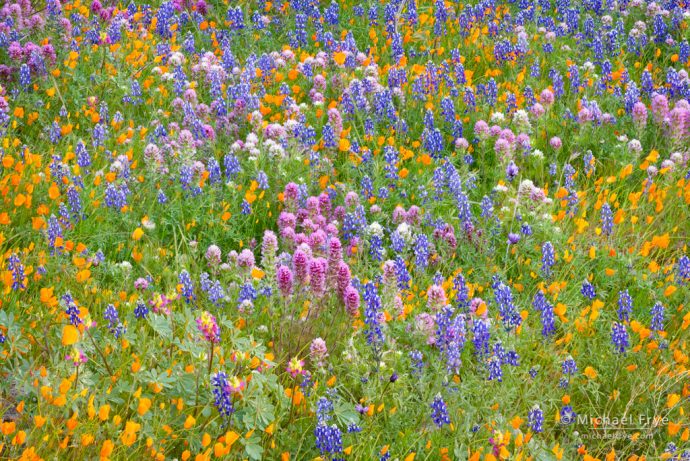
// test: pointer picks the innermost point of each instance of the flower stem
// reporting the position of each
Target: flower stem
(100, 352)
(210, 357)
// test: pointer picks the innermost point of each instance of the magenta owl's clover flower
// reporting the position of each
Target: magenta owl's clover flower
(302, 242)
(481, 129)
(288, 235)
(426, 324)
(284, 279)
(208, 327)
(461, 144)
(300, 261)
(523, 141)
(537, 110)
(389, 275)
(202, 7)
(503, 148)
(336, 120)
(317, 240)
(308, 226)
(413, 215)
(584, 116)
(269, 247)
(316, 97)
(213, 255)
(343, 277)
(508, 135)
(317, 276)
(399, 305)
(639, 115)
(286, 220)
(335, 257)
(209, 132)
(556, 143)
(546, 97)
(15, 51)
(399, 214)
(679, 119)
(351, 199)
(291, 194)
(318, 351)
(351, 300)
(335, 251)
(313, 206)
(325, 205)
(659, 107)
(436, 297)
(232, 257)
(245, 259)
(141, 284)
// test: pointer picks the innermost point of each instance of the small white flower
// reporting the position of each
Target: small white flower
(635, 146)
(405, 232)
(521, 118)
(176, 58)
(376, 229)
(498, 117)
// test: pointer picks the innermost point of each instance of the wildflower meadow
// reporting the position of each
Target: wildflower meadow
(407, 230)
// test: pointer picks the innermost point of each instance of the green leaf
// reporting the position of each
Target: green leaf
(161, 325)
(345, 413)
(260, 413)
(254, 450)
